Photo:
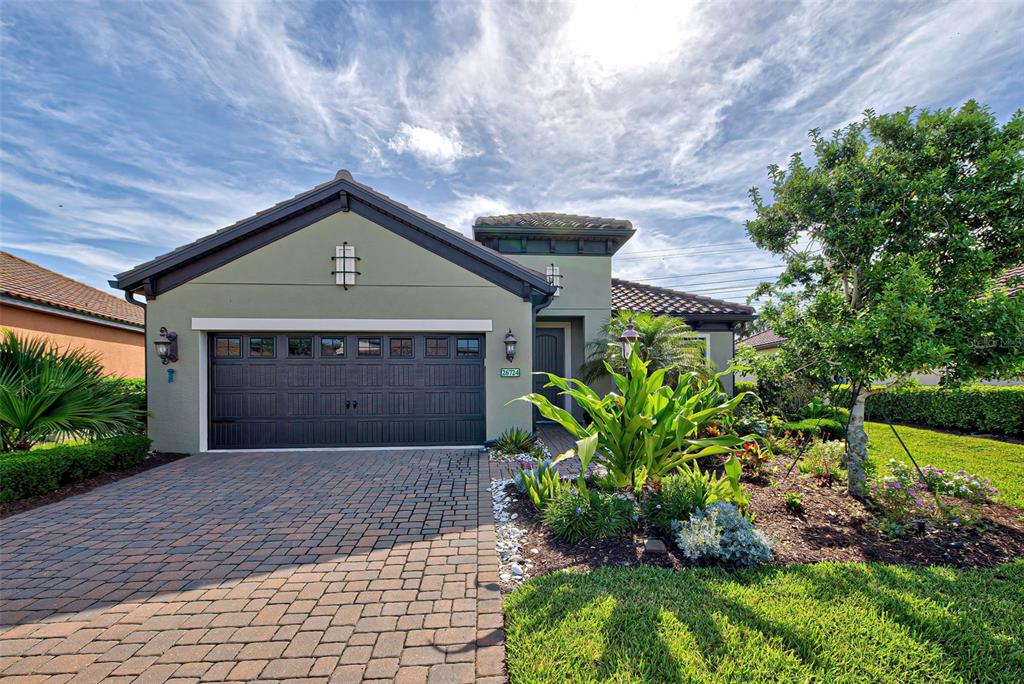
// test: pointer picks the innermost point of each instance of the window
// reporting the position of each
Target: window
(332, 346)
(467, 347)
(261, 347)
(400, 347)
(227, 347)
(345, 265)
(555, 278)
(437, 346)
(369, 346)
(300, 346)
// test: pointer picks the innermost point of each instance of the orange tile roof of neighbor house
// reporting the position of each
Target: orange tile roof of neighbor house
(630, 296)
(21, 279)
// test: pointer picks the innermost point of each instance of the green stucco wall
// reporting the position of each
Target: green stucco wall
(291, 278)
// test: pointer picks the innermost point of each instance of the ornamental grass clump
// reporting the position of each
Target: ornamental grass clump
(540, 483)
(720, 532)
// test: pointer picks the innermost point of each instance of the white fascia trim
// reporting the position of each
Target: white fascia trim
(313, 450)
(343, 324)
(707, 344)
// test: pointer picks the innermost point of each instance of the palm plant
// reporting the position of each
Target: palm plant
(665, 342)
(47, 392)
(646, 430)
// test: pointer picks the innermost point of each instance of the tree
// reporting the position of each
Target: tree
(892, 243)
(48, 392)
(665, 342)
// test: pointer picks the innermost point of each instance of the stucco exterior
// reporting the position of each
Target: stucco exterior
(292, 278)
(121, 351)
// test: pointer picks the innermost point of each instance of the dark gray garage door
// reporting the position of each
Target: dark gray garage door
(324, 390)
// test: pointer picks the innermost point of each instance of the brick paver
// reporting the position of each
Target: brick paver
(341, 566)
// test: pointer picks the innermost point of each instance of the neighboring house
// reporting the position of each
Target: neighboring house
(341, 317)
(768, 341)
(36, 301)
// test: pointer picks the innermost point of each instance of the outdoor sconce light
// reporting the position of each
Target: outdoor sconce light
(510, 345)
(166, 346)
(628, 339)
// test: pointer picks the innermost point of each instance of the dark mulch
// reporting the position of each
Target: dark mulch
(833, 527)
(153, 460)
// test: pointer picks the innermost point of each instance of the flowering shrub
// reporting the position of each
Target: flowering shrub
(961, 484)
(906, 495)
(575, 515)
(822, 460)
(754, 457)
(721, 532)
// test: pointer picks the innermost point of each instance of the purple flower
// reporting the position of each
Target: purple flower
(579, 510)
(658, 506)
(917, 501)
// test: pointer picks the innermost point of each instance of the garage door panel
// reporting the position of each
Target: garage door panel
(333, 396)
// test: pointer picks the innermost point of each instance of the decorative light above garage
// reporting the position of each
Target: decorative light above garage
(345, 265)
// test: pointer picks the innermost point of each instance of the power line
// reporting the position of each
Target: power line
(695, 275)
(699, 252)
(720, 282)
(672, 249)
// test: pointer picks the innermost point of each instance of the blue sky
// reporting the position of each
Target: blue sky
(130, 128)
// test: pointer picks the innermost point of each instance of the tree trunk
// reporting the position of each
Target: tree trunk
(856, 446)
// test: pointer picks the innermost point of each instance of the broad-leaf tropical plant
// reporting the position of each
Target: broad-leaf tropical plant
(645, 430)
(50, 392)
(665, 342)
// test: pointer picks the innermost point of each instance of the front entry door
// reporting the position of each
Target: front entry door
(548, 357)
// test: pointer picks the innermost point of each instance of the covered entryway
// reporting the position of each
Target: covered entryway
(272, 390)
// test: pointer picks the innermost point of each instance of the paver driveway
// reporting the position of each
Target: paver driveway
(339, 566)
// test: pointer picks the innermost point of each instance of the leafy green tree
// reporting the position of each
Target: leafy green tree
(892, 243)
(665, 342)
(46, 391)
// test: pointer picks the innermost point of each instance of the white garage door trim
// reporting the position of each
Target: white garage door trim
(386, 325)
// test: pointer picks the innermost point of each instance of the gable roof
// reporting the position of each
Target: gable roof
(343, 193)
(766, 339)
(549, 220)
(630, 296)
(23, 280)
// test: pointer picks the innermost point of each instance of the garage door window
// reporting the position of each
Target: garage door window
(261, 347)
(228, 347)
(369, 346)
(437, 346)
(300, 347)
(400, 347)
(332, 346)
(467, 347)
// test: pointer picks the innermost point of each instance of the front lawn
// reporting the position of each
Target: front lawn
(1001, 462)
(831, 622)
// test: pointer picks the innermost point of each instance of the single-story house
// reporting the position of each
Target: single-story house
(342, 317)
(37, 302)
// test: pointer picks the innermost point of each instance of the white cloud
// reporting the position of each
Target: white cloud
(430, 147)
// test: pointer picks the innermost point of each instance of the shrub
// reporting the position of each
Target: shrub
(646, 430)
(961, 484)
(754, 457)
(680, 495)
(744, 386)
(822, 460)
(540, 483)
(133, 390)
(794, 502)
(47, 391)
(515, 441)
(721, 532)
(575, 515)
(972, 408)
(816, 408)
(826, 428)
(29, 473)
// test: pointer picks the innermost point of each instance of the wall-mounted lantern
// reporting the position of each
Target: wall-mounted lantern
(628, 340)
(510, 345)
(166, 346)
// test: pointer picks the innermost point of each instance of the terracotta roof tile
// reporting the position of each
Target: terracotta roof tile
(766, 339)
(24, 280)
(630, 296)
(552, 220)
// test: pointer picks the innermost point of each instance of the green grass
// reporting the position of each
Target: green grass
(828, 622)
(1001, 462)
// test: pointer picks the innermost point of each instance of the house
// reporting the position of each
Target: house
(342, 317)
(36, 301)
(765, 342)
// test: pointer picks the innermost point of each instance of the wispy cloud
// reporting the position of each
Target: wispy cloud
(129, 128)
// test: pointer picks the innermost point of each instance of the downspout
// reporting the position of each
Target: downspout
(538, 305)
(129, 297)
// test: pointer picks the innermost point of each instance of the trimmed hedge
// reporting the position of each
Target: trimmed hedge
(29, 473)
(744, 386)
(972, 408)
(826, 428)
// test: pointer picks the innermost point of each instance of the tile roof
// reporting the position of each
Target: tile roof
(342, 175)
(550, 220)
(1017, 275)
(30, 282)
(766, 339)
(627, 295)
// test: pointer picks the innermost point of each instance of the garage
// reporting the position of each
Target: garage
(318, 390)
